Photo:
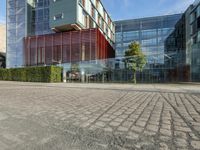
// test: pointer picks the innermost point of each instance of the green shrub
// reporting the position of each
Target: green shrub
(32, 74)
(5, 74)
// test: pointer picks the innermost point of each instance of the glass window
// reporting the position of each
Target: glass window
(198, 37)
(198, 22)
(149, 42)
(192, 17)
(39, 3)
(82, 2)
(93, 12)
(149, 33)
(198, 11)
(131, 35)
(59, 16)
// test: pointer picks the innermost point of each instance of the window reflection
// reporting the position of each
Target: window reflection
(149, 32)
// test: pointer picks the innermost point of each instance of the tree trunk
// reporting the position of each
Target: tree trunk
(134, 77)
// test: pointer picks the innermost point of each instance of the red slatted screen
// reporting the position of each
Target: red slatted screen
(75, 46)
(66, 47)
(48, 49)
(93, 44)
(33, 51)
(85, 46)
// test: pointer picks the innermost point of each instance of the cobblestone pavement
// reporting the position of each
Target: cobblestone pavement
(35, 116)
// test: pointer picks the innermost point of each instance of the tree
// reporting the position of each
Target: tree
(2, 60)
(135, 59)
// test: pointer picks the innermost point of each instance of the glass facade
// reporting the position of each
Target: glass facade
(16, 31)
(194, 41)
(38, 17)
(175, 52)
(149, 32)
(24, 18)
(171, 44)
(32, 18)
(92, 14)
(195, 64)
(115, 71)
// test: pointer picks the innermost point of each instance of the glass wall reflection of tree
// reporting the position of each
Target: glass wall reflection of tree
(135, 60)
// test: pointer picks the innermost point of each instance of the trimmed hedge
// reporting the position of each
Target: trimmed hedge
(32, 74)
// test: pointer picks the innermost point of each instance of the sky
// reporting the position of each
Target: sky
(2, 11)
(130, 9)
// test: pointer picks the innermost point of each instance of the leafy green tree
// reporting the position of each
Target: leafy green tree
(135, 59)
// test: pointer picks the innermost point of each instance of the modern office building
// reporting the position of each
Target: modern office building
(150, 32)
(80, 14)
(80, 36)
(175, 43)
(28, 21)
(183, 46)
(175, 52)
(194, 41)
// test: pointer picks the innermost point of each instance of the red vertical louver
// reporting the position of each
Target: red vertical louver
(67, 47)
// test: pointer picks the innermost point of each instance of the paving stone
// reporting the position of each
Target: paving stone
(123, 129)
(149, 133)
(184, 129)
(165, 132)
(137, 129)
(141, 123)
(180, 142)
(119, 120)
(108, 129)
(166, 126)
(123, 116)
(32, 112)
(193, 136)
(105, 119)
(152, 127)
(127, 124)
(163, 146)
(133, 136)
(180, 134)
(100, 124)
(165, 138)
(197, 128)
(114, 123)
(196, 144)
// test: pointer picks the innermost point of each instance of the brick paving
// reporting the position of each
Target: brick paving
(35, 116)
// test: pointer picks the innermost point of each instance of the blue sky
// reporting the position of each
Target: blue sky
(2, 10)
(128, 9)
